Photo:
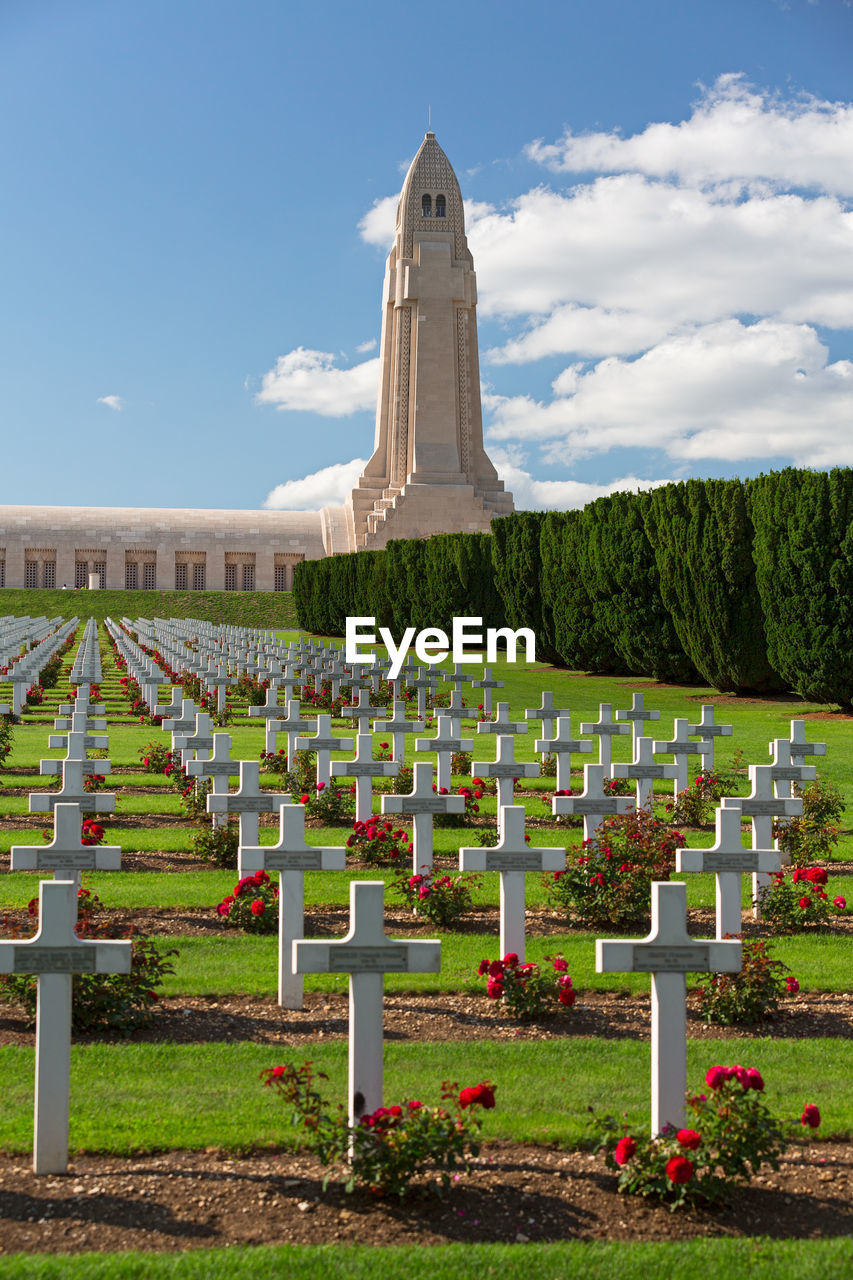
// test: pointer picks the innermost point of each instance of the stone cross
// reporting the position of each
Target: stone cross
(364, 769)
(175, 708)
(398, 726)
(668, 953)
(249, 801)
(269, 711)
(422, 802)
(502, 722)
(456, 712)
(505, 768)
(366, 954)
(324, 742)
(72, 791)
(425, 683)
(291, 857)
(54, 954)
(784, 771)
(592, 804)
(605, 729)
(444, 744)
(198, 744)
(644, 771)
(729, 861)
(799, 747)
(219, 680)
(762, 807)
(294, 723)
(77, 742)
(76, 745)
(220, 767)
(487, 684)
(361, 712)
(681, 749)
(66, 855)
(547, 713)
(514, 859)
(77, 722)
(183, 724)
(708, 730)
(637, 715)
(457, 678)
(562, 747)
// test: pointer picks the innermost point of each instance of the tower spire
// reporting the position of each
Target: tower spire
(429, 472)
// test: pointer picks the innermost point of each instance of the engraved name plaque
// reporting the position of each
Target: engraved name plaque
(498, 861)
(671, 959)
(30, 959)
(368, 959)
(309, 860)
(745, 861)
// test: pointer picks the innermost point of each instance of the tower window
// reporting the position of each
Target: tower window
(426, 206)
(440, 207)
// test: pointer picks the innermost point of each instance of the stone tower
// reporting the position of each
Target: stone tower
(429, 472)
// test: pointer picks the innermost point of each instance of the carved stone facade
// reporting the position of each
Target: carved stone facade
(428, 473)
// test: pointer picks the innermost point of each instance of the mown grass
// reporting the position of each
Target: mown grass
(272, 609)
(705, 1259)
(144, 1097)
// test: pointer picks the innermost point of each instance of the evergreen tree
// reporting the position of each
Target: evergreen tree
(517, 561)
(803, 552)
(568, 613)
(702, 538)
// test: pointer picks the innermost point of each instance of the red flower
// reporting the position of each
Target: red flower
(755, 1078)
(511, 958)
(258, 907)
(689, 1139)
(484, 964)
(483, 1094)
(810, 1116)
(679, 1169)
(792, 985)
(567, 996)
(840, 902)
(304, 799)
(494, 989)
(625, 1149)
(804, 903)
(560, 964)
(496, 969)
(715, 1077)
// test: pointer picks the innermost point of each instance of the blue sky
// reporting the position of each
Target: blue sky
(198, 200)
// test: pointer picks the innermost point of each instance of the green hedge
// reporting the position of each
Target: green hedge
(238, 608)
(748, 586)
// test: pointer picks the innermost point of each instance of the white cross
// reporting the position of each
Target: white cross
(681, 749)
(456, 712)
(361, 712)
(55, 953)
(514, 859)
(502, 722)
(66, 852)
(592, 803)
(729, 860)
(76, 745)
(457, 677)
(504, 768)
(366, 953)
(604, 728)
(72, 792)
(249, 801)
(784, 771)
(799, 747)
(220, 767)
(295, 724)
(398, 726)
(547, 713)
(364, 769)
(324, 742)
(487, 684)
(637, 715)
(644, 771)
(291, 857)
(668, 953)
(220, 680)
(426, 682)
(77, 722)
(762, 807)
(444, 744)
(562, 747)
(708, 730)
(422, 802)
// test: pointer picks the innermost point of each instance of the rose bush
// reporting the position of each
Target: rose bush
(523, 990)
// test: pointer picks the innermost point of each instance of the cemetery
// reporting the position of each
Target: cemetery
(539, 911)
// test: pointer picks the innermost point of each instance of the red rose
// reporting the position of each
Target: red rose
(810, 1116)
(567, 996)
(755, 1079)
(258, 907)
(679, 1169)
(716, 1077)
(804, 903)
(625, 1149)
(689, 1139)
(792, 985)
(483, 1094)
(494, 988)
(511, 958)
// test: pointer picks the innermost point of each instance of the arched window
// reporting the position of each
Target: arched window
(426, 207)
(440, 207)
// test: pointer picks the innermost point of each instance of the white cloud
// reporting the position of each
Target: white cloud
(325, 488)
(556, 495)
(112, 402)
(309, 381)
(364, 347)
(377, 225)
(736, 132)
(658, 254)
(723, 391)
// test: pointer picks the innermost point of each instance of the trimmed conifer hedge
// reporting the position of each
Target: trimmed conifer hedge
(745, 585)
